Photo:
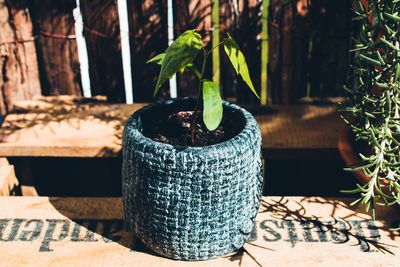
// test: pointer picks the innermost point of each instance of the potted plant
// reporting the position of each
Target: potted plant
(191, 187)
(372, 110)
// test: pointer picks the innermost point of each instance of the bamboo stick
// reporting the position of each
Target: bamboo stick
(264, 53)
(215, 41)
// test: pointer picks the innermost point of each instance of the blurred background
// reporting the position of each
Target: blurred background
(307, 46)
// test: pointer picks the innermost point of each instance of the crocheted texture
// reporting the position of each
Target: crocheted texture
(191, 203)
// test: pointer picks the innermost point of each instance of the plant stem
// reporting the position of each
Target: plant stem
(196, 110)
(220, 43)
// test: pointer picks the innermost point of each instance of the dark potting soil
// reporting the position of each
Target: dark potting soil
(175, 130)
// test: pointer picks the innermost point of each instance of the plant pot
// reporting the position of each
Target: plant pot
(191, 203)
(349, 152)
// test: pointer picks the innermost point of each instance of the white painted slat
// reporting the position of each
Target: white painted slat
(125, 49)
(82, 50)
(172, 81)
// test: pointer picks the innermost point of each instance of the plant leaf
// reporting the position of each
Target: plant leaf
(396, 77)
(238, 61)
(157, 59)
(232, 50)
(392, 17)
(212, 113)
(178, 55)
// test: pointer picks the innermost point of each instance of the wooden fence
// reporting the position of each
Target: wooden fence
(38, 52)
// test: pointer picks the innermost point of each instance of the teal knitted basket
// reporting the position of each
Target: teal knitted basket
(191, 203)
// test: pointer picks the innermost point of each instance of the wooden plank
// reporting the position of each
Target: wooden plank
(19, 78)
(300, 131)
(103, 48)
(56, 46)
(64, 127)
(148, 26)
(290, 231)
(60, 127)
(4, 162)
(8, 181)
(193, 14)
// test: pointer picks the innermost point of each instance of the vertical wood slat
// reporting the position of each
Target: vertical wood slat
(287, 57)
(125, 49)
(149, 28)
(19, 75)
(101, 31)
(242, 22)
(193, 14)
(82, 50)
(56, 46)
(308, 49)
(172, 82)
(322, 67)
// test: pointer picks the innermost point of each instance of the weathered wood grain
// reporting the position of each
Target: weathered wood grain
(57, 51)
(290, 231)
(19, 76)
(62, 127)
(8, 181)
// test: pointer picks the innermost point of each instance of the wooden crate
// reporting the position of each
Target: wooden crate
(290, 231)
(71, 147)
(8, 181)
(69, 127)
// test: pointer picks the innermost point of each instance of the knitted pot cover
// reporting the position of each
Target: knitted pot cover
(191, 203)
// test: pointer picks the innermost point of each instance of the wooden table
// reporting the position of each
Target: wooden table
(54, 142)
(67, 127)
(290, 231)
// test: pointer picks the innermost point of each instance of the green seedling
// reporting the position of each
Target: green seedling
(181, 55)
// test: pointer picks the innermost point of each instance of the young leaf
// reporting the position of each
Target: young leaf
(238, 61)
(212, 113)
(232, 50)
(178, 55)
(157, 59)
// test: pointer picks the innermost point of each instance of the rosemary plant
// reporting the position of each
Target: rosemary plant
(373, 107)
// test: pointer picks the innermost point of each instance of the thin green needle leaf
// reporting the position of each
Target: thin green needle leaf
(360, 167)
(388, 102)
(355, 202)
(212, 114)
(396, 77)
(352, 191)
(370, 60)
(386, 42)
(372, 210)
(373, 103)
(392, 17)
(380, 57)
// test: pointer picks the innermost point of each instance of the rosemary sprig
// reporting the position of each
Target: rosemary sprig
(372, 109)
